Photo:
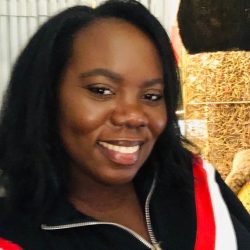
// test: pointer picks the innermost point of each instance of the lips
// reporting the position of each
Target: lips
(121, 152)
(120, 149)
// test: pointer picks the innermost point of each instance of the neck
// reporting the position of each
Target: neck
(109, 203)
(89, 195)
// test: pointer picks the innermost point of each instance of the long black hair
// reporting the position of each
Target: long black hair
(32, 158)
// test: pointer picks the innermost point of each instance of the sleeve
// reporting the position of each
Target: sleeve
(8, 245)
(233, 203)
(231, 218)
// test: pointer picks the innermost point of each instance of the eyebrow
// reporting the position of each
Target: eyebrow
(102, 72)
(149, 83)
(116, 77)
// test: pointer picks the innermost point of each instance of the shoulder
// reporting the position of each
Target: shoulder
(6, 244)
(220, 191)
(230, 217)
(233, 203)
(17, 230)
(8, 229)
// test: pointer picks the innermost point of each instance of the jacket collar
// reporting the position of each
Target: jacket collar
(62, 212)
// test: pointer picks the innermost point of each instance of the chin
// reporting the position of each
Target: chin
(120, 178)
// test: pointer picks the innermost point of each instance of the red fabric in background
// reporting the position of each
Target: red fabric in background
(176, 42)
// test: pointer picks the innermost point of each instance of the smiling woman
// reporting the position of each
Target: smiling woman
(117, 113)
(90, 149)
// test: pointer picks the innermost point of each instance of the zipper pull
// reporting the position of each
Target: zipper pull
(156, 246)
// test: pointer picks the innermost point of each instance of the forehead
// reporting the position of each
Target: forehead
(113, 31)
(111, 40)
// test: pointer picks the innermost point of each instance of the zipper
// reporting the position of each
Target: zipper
(154, 246)
(93, 223)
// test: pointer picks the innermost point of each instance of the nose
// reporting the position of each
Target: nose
(130, 115)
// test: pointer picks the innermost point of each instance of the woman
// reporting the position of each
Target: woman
(91, 153)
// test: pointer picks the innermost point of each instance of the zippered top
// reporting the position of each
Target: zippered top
(153, 245)
(93, 223)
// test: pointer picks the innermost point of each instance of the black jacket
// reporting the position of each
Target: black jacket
(172, 217)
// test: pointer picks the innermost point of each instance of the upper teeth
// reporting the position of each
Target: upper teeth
(120, 149)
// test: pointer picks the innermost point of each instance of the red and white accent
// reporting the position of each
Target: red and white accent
(8, 245)
(215, 229)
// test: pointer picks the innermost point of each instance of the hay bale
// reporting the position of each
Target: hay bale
(216, 90)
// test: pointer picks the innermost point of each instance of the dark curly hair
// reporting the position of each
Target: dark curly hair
(32, 158)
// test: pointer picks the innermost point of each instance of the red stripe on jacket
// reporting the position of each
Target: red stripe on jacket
(205, 234)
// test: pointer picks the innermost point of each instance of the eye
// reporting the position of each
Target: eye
(153, 97)
(101, 91)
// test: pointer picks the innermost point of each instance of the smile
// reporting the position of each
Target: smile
(120, 149)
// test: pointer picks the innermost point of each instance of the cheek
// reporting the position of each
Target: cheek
(83, 121)
(159, 121)
(81, 116)
(79, 129)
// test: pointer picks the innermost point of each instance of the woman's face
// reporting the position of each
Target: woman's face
(111, 102)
